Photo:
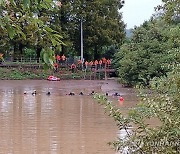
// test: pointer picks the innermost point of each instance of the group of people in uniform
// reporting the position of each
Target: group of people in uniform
(80, 64)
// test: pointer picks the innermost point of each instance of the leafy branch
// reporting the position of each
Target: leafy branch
(162, 105)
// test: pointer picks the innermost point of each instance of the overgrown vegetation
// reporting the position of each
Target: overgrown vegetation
(22, 73)
(151, 59)
(153, 46)
(163, 105)
(50, 24)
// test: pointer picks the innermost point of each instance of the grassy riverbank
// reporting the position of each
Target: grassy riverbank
(40, 74)
(21, 74)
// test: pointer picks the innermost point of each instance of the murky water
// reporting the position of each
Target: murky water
(55, 124)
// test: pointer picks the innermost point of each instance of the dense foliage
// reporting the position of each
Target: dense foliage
(170, 10)
(101, 21)
(38, 24)
(151, 58)
(163, 105)
(152, 47)
(27, 24)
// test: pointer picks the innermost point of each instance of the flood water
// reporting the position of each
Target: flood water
(59, 123)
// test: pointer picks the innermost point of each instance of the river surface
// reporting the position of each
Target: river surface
(57, 123)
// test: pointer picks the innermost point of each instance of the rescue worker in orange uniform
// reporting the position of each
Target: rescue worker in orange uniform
(100, 64)
(79, 64)
(91, 64)
(58, 58)
(86, 64)
(73, 67)
(55, 67)
(63, 57)
(96, 63)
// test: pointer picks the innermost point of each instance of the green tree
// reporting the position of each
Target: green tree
(28, 24)
(152, 47)
(170, 10)
(163, 105)
(102, 25)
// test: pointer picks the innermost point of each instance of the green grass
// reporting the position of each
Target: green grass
(40, 74)
(22, 74)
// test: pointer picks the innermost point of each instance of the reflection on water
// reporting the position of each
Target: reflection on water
(55, 124)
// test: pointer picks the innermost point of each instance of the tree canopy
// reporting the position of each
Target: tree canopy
(170, 10)
(37, 24)
(153, 46)
(102, 25)
(27, 23)
(150, 58)
(162, 105)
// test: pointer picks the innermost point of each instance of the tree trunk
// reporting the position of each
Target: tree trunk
(63, 50)
(21, 46)
(38, 53)
(96, 55)
(15, 51)
(15, 47)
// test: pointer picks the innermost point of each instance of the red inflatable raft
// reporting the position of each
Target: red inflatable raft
(53, 78)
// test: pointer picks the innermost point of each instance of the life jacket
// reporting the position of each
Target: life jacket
(63, 58)
(100, 62)
(86, 63)
(58, 57)
(79, 62)
(56, 65)
(96, 62)
(73, 66)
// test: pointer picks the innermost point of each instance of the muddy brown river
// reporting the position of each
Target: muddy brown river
(57, 123)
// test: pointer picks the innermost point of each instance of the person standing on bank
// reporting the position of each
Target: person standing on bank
(73, 67)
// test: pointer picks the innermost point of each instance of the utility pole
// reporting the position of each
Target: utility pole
(82, 58)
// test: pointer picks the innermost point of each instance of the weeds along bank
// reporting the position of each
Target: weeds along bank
(20, 73)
